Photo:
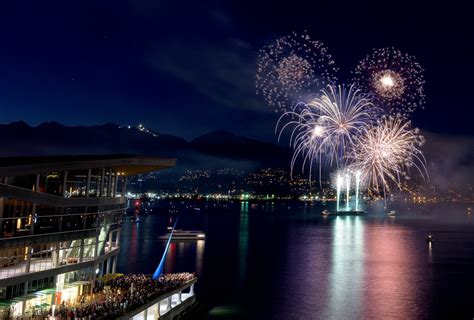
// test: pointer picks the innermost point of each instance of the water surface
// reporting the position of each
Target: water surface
(285, 261)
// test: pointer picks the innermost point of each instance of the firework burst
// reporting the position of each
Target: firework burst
(291, 68)
(384, 154)
(394, 78)
(322, 130)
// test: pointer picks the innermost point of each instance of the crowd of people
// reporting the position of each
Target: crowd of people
(120, 295)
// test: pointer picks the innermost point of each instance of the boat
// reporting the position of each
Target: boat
(392, 213)
(180, 234)
(430, 238)
(325, 212)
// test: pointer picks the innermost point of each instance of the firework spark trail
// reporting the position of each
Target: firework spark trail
(291, 68)
(363, 131)
(384, 153)
(394, 78)
(323, 129)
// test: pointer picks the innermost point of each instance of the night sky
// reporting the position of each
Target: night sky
(187, 68)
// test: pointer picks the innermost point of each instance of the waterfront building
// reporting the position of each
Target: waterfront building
(60, 220)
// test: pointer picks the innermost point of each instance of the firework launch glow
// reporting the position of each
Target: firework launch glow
(291, 68)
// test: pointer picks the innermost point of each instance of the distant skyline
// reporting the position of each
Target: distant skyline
(188, 68)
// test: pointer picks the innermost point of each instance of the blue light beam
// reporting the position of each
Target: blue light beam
(159, 270)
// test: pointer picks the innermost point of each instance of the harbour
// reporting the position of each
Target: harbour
(275, 260)
(234, 160)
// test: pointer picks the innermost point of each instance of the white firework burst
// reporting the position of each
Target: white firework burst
(322, 130)
(291, 68)
(385, 152)
(395, 80)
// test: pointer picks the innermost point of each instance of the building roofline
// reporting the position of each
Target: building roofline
(126, 164)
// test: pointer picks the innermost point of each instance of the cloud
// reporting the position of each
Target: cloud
(205, 51)
(223, 73)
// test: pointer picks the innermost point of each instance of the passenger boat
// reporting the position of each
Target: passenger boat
(180, 234)
(325, 212)
(391, 213)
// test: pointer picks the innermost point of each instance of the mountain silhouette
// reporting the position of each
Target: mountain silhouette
(450, 159)
(218, 147)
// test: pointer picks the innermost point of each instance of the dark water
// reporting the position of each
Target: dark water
(286, 261)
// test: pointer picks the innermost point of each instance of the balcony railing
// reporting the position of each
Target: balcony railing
(40, 264)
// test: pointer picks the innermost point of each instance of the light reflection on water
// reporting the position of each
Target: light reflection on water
(141, 250)
(243, 238)
(390, 275)
(347, 267)
(287, 262)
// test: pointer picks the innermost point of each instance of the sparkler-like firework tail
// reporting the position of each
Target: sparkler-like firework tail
(345, 181)
(291, 68)
(348, 190)
(357, 176)
(384, 154)
(339, 181)
(323, 130)
(394, 78)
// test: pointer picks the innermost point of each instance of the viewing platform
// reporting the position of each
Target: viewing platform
(131, 296)
(165, 306)
(61, 220)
